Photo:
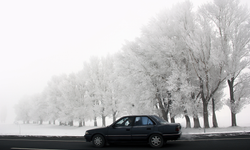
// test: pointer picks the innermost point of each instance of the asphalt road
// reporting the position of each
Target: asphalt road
(187, 142)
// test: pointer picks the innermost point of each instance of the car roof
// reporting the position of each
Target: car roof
(138, 116)
(150, 116)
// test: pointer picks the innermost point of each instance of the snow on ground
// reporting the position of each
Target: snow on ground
(56, 130)
(215, 130)
(43, 130)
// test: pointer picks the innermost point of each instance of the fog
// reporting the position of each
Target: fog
(39, 39)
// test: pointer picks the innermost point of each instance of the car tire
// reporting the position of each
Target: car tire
(98, 141)
(156, 141)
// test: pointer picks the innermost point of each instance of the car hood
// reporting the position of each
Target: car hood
(95, 129)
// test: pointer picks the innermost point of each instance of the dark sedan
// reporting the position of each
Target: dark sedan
(143, 128)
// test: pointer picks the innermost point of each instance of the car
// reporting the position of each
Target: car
(137, 128)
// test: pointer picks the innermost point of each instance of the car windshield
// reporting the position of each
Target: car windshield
(162, 121)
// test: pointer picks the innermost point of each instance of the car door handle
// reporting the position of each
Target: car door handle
(148, 128)
(127, 129)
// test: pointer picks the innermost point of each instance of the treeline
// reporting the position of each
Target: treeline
(178, 67)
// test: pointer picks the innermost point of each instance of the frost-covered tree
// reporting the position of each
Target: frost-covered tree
(137, 92)
(181, 89)
(177, 67)
(39, 107)
(65, 98)
(183, 83)
(91, 102)
(159, 61)
(113, 87)
(100, 86)
(81, 110)
(56, 105)
(148, 72)
(231, 25)
(70, 98)
(217, 103)
(106, 86)
(241, 94)
(205, 56)
(23, 109)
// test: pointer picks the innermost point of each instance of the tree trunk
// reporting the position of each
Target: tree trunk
(70, 123)
(205, 105)
(80, 124)
(162, 108)
(188, 123)
(172, 120)
(164, 115)
(83, 122)
(95, 122)
(233, 115)
(215, 123)
(103, 120)
(205, 114)
(196, 122)
(232, 101)
(114, 116)
(41, 122)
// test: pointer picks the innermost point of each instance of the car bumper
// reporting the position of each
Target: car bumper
(174, 136)
(87, 137)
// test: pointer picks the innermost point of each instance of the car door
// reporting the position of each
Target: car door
(121, 130)
(143, 126)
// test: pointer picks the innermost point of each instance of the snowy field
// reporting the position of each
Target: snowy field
(43, 130)
(55, 130)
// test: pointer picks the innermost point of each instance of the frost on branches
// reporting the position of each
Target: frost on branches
(177, 68)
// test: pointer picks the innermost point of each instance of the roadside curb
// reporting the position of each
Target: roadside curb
(40, 137)
(190, 136)
(184, 136)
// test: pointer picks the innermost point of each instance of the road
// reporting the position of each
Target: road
(221, 142)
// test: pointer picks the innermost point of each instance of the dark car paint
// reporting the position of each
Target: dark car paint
(135, 133)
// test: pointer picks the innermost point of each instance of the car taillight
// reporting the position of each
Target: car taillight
(178, 128)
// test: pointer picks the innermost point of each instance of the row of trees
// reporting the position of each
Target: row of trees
(178, 67)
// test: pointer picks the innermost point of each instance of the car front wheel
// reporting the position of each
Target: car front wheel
(156, 141)
(98, 140)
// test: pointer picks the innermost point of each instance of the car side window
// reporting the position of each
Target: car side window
(143, 121)
(124, 122)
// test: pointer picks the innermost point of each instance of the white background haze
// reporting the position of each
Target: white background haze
(42, 38)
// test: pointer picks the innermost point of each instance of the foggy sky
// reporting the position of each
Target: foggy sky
(39, 39)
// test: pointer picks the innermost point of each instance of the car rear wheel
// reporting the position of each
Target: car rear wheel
(156, 141)
(98, 140)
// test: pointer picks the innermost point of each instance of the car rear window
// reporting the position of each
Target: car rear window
(143, 121)
(160, 120)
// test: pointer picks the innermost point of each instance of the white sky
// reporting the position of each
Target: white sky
(42, 38)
